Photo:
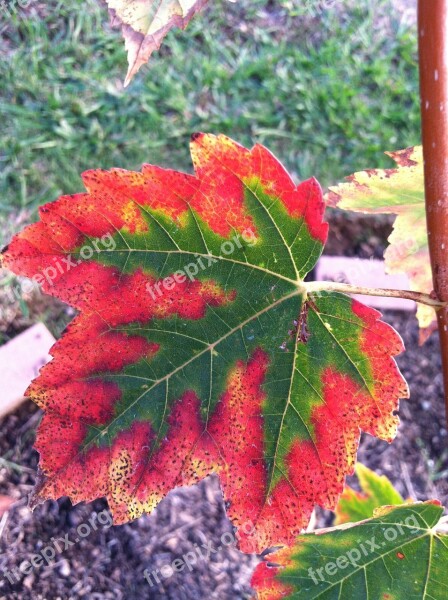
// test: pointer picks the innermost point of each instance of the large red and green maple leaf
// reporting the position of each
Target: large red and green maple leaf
(163, 378)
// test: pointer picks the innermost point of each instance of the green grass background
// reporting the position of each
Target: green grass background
(327, 93)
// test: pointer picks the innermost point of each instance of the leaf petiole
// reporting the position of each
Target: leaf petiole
(334, 286)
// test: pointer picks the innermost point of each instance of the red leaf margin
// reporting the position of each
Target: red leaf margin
(122, 473)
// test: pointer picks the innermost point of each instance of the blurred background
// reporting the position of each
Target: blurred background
(328, 90)
(328, 87)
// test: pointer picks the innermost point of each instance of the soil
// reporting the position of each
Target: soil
(109, 562)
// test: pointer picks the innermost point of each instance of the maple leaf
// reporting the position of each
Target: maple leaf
(197, 349)
(401, 553)
(401, 192)
(145, 23)
(377, 490)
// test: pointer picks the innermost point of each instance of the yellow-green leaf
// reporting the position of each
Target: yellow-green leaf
(377, 490)
(401, 192)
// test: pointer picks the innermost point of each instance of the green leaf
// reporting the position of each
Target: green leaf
(398, 555)
(377, 490)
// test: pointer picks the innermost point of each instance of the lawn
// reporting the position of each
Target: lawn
(327, 91)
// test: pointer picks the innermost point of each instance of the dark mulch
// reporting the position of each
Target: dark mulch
(109, 562)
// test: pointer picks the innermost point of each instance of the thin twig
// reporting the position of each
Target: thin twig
(334, 286)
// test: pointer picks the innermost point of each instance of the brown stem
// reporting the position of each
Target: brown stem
(433, 60)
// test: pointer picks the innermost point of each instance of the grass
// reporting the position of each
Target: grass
(327, 94)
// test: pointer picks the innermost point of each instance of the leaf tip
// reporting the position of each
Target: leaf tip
(129, 75)
(35, 498)
(196, 136)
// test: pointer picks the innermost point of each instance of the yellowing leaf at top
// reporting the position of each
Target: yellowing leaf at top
(401, 192)
(146, 22)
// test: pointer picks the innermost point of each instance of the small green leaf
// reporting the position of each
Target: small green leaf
(377, 490)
